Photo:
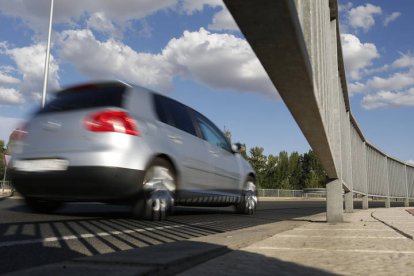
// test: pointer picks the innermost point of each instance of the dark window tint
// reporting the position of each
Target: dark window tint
(174, 113)
(161, 105)
(211, 133)
(88, 96)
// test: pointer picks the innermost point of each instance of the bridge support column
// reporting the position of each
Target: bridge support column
(334, 202)
(365, 204)
(387, 202)
(406, 202)
(349, 202)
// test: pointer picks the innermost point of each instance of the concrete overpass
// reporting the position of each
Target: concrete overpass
(298, 43)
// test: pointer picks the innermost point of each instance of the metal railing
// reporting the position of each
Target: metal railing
(361, 167)
(299, 45)
(291, 193)
(5, 186)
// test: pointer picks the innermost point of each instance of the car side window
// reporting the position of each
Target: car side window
(211, 133)
(174, 113)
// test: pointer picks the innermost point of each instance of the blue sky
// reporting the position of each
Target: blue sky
(193, 51)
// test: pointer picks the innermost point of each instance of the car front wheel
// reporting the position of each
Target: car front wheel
(248, 202)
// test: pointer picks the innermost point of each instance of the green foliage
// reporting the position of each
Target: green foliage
(284, 171)
(258, 161)
(287, 171)
(227, 134)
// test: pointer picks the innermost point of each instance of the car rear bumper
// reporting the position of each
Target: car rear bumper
(80, 184)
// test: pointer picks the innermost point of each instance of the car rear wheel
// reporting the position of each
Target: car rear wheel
(248, 201)
(157, 199)
(42, 206)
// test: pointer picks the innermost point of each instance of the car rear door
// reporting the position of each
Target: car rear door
(188, 149)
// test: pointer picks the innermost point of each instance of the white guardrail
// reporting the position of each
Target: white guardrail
(292, 193)
(5, 186)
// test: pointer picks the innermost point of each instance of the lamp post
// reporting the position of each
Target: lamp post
(47, 55)
(5, 169)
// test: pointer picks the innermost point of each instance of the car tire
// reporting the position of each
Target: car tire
(248, 201)
(157, 199)
(42, 206)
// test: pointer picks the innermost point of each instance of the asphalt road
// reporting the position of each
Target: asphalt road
(77, 230)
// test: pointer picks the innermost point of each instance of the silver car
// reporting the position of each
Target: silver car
(113, 142)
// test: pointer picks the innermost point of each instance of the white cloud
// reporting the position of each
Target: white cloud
(391, 18)
(386, 99)
(396, 81)
(384, 68)
(98, 21)
(191, 6)
(356, 87)
(391, 82)
(10, 96)
(345, 7)
(406, 60)
(7, 79)
(107, 16)
(219, 61)
(30, 62)
(357, 55)
(216, 60)
(36, 13)
(223, 20)
(363, 16)
(113, 59)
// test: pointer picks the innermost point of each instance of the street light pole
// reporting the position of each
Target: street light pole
(47, 55)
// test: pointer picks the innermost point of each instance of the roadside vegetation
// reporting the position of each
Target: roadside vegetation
(292, 171)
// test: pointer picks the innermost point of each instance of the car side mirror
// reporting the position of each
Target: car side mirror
(237, 148)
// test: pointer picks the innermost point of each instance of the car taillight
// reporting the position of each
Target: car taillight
(20, 133)
(111, 121)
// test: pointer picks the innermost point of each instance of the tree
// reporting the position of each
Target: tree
(283, 171)
(295, 170)
(258, 161)
(271, 172)
(314, 175)
(243, 152)
(227, 134)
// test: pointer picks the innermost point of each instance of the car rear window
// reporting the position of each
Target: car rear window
(87, 96)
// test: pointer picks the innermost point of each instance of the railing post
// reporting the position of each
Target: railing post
(387, 199)
(349, 201)
(407, 198)
(349, 195)
(334, 201)
(365, 202)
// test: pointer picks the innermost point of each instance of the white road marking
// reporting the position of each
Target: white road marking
(340, 229)
(332, 250)
(340, 237)
(89, 235)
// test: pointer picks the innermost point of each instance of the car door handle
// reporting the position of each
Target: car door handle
(213, 152)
